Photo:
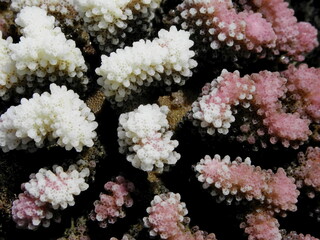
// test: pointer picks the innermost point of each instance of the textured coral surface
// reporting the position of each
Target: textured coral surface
(159, 119)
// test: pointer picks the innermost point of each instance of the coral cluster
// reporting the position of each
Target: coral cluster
(110, 206)
(285, 104)
(166, 218)
(263, 27)
(144, 133)
(45, 192)
(240, 180)
(57, 115)
(117, 23)
(167, 59)
(264, 99)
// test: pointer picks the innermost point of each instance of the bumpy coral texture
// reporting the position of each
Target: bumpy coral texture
(46, 191)
(145, 134)
(261, 225)
(167, 59)
(113, 22)
(167, 219)
(308, 171)
(296, 236)
(262, 93)
(57, 187)
(44, 51)
(304, 85)
(57, 115)
(28, 212)
(214, 108)
(110, 206)
(48, 5)
(240, 180)
(263, 26)
(8, 75)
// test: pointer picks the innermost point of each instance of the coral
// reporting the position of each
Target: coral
(303, 83)
(307, 173)
(263, 27)
(213, 109)
(267, 94)
(167, 58)
(59, 114)
(110, 206)
(239, 179)
(8, 75)
(29, 213)
(45, 192)
(167, 219)
(57, 187)
(117, 23)
(44, 52)
(261, 225)
(295, 236)
(145, 134)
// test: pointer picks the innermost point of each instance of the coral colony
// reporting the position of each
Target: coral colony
(93, 87)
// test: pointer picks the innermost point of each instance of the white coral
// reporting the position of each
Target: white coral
(167, 58)
(52, 5)
(7, 68)
(58, 187)
(109, 22)
(44, 50)
(145, 133)
(60, 115)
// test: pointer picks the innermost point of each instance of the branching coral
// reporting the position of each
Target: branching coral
(265, 93)
(57, 115)
(241, 180)
(262, 27)
(167, 219)
(167, 59)
(8, 75)
(145, 134)
(44, 52)
(110, 206)
(46, 191)
(117, 23)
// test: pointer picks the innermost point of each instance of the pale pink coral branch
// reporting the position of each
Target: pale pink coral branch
(110, 206)
(307, 173)
(239, 179)
(282, 105)
(304, 84)
(29, 212)
(261, 225)
(293, 37)
(167, 218)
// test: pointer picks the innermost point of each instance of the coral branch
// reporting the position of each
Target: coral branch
(110, 206)
(60, 114)
(167, 219)
(241, 180)
(167, 59)
(145, 133)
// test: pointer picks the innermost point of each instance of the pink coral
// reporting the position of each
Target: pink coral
(167, 219)
(263, 26)
(284, 119)
(29, 212)
(295, 236)
(240, 180)
(294, 38)
(110, 206)
(304, 84)
(308, 171)
(213, 109)
(261, 225)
